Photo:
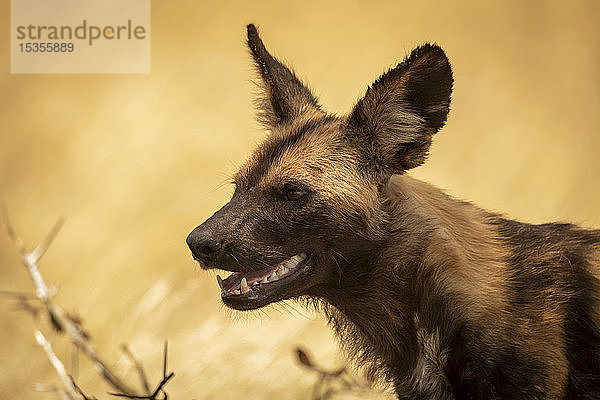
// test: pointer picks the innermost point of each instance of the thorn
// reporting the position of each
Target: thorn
(11, 231)
(165, 356)
(41, 249)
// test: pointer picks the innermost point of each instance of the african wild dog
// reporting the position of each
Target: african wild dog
(442, 298)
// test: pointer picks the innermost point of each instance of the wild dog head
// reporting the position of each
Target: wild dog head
(309, 204)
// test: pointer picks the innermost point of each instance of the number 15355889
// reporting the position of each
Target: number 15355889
(56, 47)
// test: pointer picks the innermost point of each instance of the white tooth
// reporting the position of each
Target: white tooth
(236, 291)
(273, 277)
(244, 285)
(297, 259)
(255, 283)
(266, 280)
(281, 270)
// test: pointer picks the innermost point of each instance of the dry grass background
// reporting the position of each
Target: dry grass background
(135, 162)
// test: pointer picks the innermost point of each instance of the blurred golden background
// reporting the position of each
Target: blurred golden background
(134, 162)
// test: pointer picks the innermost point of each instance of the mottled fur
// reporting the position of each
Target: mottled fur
(439, 297)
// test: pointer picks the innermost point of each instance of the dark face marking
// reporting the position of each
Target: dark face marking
(274, 148)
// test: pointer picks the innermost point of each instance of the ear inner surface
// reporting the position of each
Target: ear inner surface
(393, 123)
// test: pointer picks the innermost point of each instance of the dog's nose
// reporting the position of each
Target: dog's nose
(203, 244)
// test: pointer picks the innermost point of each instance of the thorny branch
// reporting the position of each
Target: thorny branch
(80, 391)
(138, 367)
(159, 388)
(71, 326)
(69, 389)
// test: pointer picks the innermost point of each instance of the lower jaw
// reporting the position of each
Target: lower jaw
(246, 304)
(242, 303)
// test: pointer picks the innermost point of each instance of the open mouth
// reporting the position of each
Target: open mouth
(246, 290)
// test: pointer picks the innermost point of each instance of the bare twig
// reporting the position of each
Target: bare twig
(138, 367)
(58, 317)
(70, 325)
(159, 389)
(24, 304)
(40, 387)
(80, 391)
(57, 364)
(30, 260)
(41, 249)
(11, 293)
(165, 353)
(74, 360)
(329, 382)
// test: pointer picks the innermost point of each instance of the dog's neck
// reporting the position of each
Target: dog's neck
(377, 299)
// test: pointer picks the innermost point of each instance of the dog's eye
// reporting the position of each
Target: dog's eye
(294, 194)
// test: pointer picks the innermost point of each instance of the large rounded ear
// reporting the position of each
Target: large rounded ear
(393, 124)
(284, 96)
